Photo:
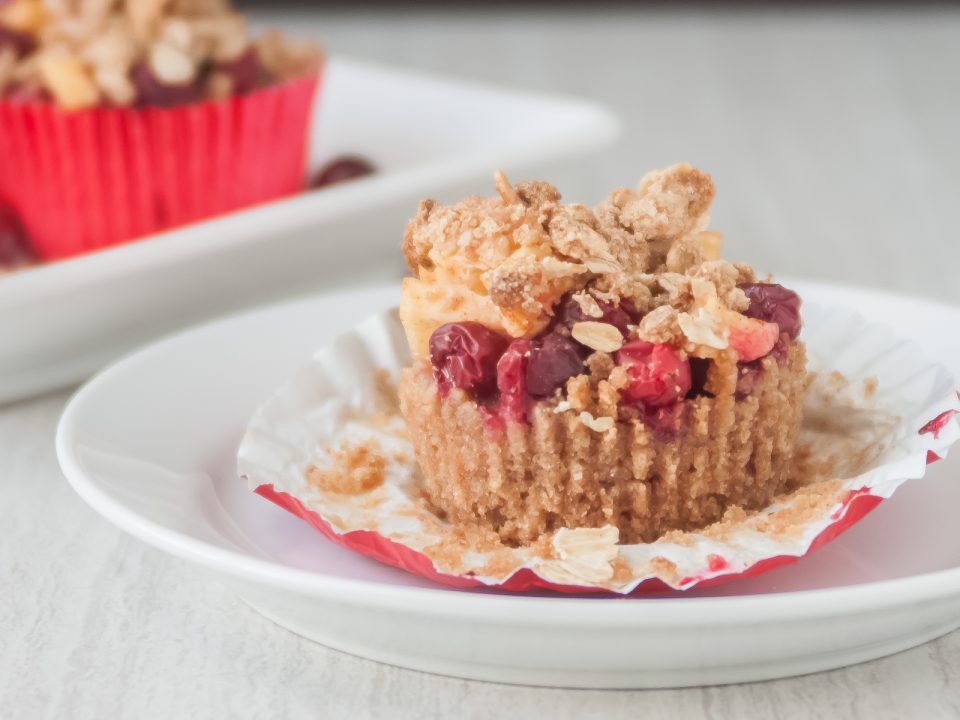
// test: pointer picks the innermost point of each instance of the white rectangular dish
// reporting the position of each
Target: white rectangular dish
(428, 136)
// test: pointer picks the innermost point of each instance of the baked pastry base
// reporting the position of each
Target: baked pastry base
(525, 480)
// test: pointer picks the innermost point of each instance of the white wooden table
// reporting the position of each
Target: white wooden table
(833, 140)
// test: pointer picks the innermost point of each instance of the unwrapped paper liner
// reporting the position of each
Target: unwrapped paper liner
(884, 387)
(87, 179)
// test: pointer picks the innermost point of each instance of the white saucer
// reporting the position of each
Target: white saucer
(150, 444)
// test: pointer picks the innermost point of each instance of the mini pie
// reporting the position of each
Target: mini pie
(578, 367)
(135, 116)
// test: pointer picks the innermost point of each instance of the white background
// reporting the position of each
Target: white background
(833, 139)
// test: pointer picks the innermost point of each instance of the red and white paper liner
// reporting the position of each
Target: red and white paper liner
(87, 179)
(877, 412)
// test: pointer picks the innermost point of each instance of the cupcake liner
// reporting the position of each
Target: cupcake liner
(88, 179)
(877, 411)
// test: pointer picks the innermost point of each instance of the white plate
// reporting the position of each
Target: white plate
(428, 136)
(150, 444)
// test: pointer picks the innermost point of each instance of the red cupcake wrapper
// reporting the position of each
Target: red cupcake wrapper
(376, 546)
(88, 179)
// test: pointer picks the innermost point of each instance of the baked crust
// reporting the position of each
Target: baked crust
(525, 480)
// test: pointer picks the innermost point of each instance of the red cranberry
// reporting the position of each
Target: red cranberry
(569, 313)
(780, 350)
(15, 248)
(512, 372)
(752, 338)
(552, 363)
(774, 303)
(152, 92)
(747, 376)
(660, 375)
(664, 421)
(29, 94)
(246, 72)
(340, 169)
(21, 43)
(465, 355)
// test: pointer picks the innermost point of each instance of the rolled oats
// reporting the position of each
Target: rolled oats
(600, 424)
(597, 336)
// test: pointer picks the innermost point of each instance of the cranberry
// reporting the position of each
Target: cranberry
(752, 338)
(340, 169)
(552, 362)
(780, 350)
(774, 303)
(152, 92)
(29, 94)
(569, 313)
(664, 421)
(21, 43)
(660, 375)
(512, 374)
(748, 374)
(465, 355)
(15, 248)
(246, 72)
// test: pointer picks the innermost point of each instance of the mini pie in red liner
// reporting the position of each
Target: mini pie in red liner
(330, 447)
(593, 399)
(88, 179)
(125, 118)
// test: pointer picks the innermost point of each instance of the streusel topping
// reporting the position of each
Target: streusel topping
(506, 261)
(84, 53)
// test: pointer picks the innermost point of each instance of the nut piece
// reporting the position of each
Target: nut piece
(597, 336)
(170, 65)
(68, 80)
(116, 85)
(588, 304)
(600, 424)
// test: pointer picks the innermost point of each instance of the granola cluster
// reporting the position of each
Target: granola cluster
(87, 53)
(506, 261)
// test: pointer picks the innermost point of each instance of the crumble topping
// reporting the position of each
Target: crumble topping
(83, 53)
(354, 469)
(661, 325)
(505, 261)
